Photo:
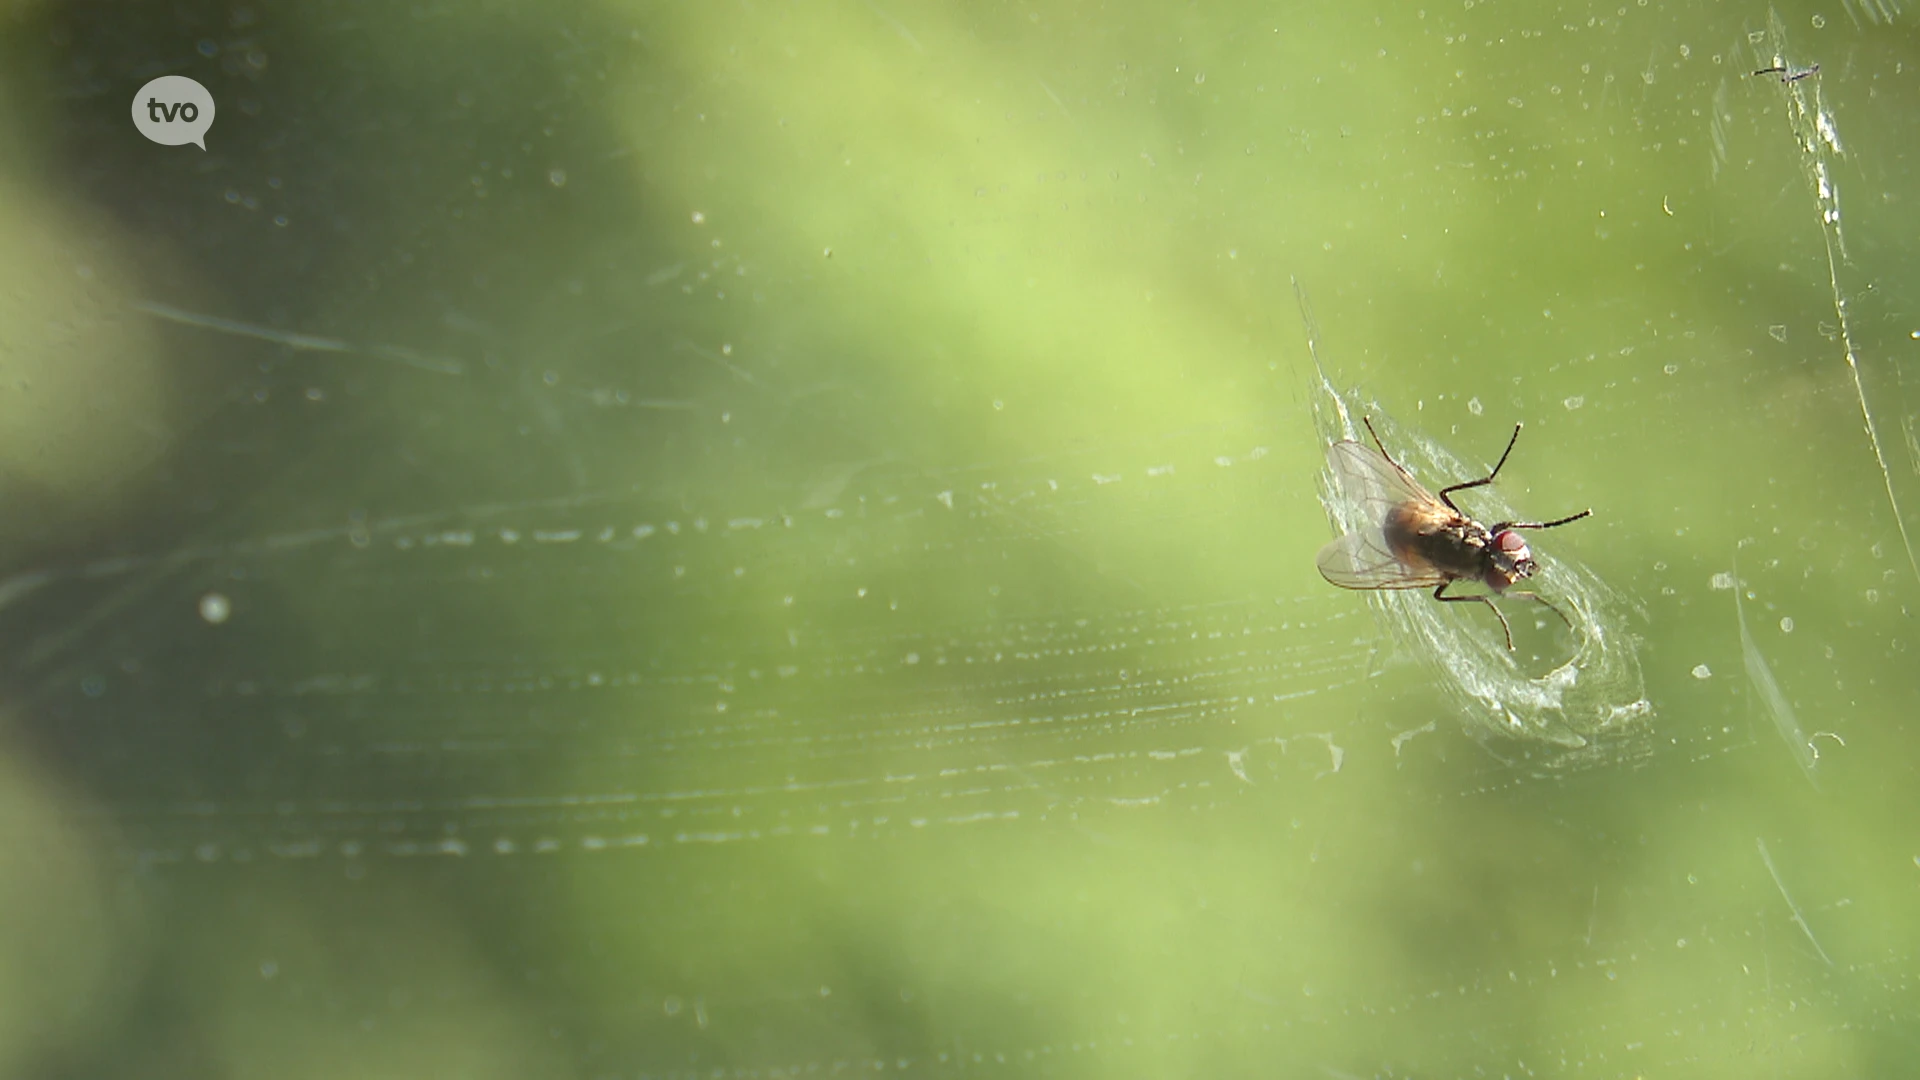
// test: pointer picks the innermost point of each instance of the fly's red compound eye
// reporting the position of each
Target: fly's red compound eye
(1511, 544)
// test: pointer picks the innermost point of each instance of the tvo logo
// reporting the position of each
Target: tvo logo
(173, 110)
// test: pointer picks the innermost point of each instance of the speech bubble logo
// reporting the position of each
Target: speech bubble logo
(173, 110)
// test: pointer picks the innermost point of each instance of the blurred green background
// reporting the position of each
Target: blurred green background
(650, 540)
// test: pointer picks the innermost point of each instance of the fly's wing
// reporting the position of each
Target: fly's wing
(1362, 560)
(1365, 487)
(1369, 485)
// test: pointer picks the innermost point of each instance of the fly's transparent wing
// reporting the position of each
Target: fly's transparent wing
(1362, 560)
(1369, 485)
(1365, 487)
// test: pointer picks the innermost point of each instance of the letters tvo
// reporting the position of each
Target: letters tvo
(161, 113)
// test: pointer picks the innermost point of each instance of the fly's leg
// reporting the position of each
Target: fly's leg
(1484, 481)
(1401, 469)
(1556, 523)
(1534, 596)
(1440, 593)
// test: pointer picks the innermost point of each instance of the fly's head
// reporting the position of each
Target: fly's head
(1508, 560)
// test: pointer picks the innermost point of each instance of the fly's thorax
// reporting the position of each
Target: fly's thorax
(1428, 535)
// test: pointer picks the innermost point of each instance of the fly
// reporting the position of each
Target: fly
(1419, 540)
